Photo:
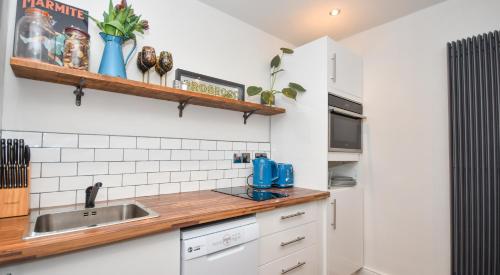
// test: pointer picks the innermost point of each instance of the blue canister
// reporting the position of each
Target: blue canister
(285, 175)
(265, 172)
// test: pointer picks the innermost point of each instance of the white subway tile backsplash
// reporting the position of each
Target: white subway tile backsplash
(75, 155)
(135, 154)
(122, 142)
(208, 185)
(159, 154)
(170, 188)
(243, 173)
(135, 179)
(238, 165)
(231, 173)
(224, 164)
(57, 198)
(224, 145)
(32, 139)
(208, 145)
(75, 183)
(148, 143)
(170, 143)
(121, 167)
(58, 169)
(130, 166)
(189, 165)
(215, 174)
(179, 176)
(239, 146)
(117, 193)
(93, 141)
(229, 155)
(109, 180)
(92, 168)
(60, 140)
(252, 146)
(199, 175)
(238, 182)
(45, 154)
(167, 166)
(34, 201)
(190, 144)
(216, 155)
(199, 155)
(41, 185)
(264, 147)
(36, 170)
(147, 166)
(190, 186)
(147, 190)
(108, 154)
(161, 177)
(181, 155)
(208, 165)
(223, 183)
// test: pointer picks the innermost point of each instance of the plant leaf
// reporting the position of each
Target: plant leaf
(117, 25)
(253, 90)
(267, 97)
(111, 11)
(296, 87)
(287, 50)
(276, 61)
(280, 70)
(289, 92)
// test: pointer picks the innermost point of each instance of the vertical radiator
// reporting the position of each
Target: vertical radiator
(474, 98)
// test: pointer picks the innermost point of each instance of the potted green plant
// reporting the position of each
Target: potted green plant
(268, 96)
(119, 26)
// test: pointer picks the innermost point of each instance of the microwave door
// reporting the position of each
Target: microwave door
(345, 132)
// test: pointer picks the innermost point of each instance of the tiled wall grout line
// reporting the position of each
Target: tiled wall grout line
(170, 164)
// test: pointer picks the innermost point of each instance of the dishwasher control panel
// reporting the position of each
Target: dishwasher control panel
(211, 243)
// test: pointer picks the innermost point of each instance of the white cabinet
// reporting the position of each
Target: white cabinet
(345, 231)
(156, 254)
(345, 72)
(289, 240)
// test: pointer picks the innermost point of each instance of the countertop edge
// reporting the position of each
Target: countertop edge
(71, 242)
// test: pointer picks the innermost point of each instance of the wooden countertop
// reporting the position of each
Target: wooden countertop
(175, 211)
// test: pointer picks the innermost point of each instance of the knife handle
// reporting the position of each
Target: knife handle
(27, 158)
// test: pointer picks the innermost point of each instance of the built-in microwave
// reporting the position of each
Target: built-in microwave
(345, 121)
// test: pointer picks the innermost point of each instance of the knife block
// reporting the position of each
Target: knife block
(15, 201)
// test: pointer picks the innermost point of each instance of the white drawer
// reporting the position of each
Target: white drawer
(303, 262)
(286, 242)
(283, 218)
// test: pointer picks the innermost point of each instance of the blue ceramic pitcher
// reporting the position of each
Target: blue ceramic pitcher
(265, 172)
(112, 63)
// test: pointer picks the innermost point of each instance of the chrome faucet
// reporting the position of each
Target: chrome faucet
(91, 194)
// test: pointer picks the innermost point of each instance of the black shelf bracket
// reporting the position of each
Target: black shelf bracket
(246, 115)
(79, 92)
(182, 105)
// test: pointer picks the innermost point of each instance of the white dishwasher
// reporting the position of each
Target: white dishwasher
(224, 248)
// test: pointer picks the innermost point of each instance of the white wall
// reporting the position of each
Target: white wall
(201, 39)
(407, 168)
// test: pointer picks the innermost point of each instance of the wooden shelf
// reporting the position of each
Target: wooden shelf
(30, 69)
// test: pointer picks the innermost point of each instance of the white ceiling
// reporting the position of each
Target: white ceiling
(300, 21)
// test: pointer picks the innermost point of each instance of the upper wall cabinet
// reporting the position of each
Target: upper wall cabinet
(345, 71)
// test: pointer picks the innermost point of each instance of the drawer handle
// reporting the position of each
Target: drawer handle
(299, 264)
(300, 213)
(298, 239)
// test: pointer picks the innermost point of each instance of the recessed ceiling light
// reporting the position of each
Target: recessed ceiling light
(335, 12)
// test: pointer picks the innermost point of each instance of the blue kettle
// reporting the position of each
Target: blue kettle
(265, 172)
(285, 175)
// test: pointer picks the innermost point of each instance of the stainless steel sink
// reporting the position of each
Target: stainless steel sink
(69, 221)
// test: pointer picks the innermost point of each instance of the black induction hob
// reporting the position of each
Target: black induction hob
(250, 193)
